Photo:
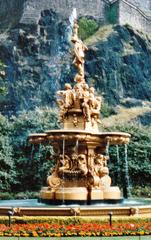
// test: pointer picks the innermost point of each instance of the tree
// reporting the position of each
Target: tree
(7, 168)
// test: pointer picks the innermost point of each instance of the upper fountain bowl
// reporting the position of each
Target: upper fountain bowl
(113, 138)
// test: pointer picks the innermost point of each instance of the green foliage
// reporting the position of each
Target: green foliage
(87, 27)
(107, 110)
(6, 196)
(26, 195)
(139, 191)
(23, 164)
(2, 76)
(139, 155)
(19, 195)
(7, 170)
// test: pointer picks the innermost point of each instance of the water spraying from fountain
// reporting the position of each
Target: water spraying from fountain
(72, 19)
(32, 152)
(118, 164)
(107, 147)
(126, 191)
(63, 154)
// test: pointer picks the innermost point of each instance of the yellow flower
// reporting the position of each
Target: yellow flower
(34, 234)
(57, 235)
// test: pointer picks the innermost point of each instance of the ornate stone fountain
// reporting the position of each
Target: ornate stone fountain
(80, 174)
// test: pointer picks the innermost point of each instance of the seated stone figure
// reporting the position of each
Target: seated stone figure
(66, 101)
(101, 172)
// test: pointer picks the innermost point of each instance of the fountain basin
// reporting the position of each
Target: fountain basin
(31, 207)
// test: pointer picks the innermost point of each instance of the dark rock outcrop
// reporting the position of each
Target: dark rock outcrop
(39, 63)
(10, 13)
(119, 65)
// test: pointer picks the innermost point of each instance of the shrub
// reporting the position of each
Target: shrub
(107, 110)
(26, 195)
(140, 191)
(87, 27)
(6, 196)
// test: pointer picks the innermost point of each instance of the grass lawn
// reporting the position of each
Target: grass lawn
(79, 238)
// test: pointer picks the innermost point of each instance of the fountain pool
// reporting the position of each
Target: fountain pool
(32, 207)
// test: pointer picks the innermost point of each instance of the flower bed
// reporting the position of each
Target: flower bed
(83, 230)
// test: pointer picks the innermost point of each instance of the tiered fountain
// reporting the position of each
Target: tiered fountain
(80, 174)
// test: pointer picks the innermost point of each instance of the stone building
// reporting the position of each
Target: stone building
(136, 13)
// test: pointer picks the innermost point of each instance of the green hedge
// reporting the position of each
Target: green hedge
(72, 220)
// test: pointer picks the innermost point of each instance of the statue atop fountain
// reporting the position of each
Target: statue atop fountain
(79, 107)
(80, 174)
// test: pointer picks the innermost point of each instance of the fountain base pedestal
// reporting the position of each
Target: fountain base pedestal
(80, 195)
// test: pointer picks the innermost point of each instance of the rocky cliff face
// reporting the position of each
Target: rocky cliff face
(10, 13)
(38, 64)
(118, 63)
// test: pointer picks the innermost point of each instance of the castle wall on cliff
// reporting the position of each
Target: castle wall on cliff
(142, 4)
(33, 8)
(134, 15)
(132, 12)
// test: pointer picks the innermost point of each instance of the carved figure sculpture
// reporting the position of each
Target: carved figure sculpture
(75, 120)
(101, 172)
(74, 162)
(79, 79)
(64, 163)
(75, 29)
(67, 100)
(85, 102)
(98, 161)
(82, 164)
(53, 180)
(95, 104)
(79, 49)
(67, 95)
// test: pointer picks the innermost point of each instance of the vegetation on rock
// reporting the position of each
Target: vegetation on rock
(87, 27)
(2, 75)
